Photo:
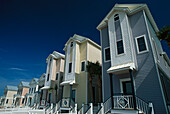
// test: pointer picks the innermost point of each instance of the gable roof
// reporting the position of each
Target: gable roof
(34, 80)
(13, 88)
(80, 39)
(24, 84)
(129, 9)
(42, 77)
(55, 55)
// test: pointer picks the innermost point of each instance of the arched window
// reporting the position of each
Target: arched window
(116, 17)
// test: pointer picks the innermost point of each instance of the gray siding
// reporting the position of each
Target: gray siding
(105, 65)
(146, 78)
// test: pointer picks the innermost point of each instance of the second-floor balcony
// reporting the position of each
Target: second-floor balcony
(126, 102)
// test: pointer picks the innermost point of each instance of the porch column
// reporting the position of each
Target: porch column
(70, 94)
(133, 88)
(111, 90)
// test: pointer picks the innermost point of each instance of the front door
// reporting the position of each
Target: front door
(127, 87)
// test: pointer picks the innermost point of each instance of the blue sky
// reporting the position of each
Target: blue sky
(32, 29)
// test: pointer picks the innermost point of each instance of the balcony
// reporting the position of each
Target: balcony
(126, 102)
(66, 103)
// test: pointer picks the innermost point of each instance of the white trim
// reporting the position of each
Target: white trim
(84, 65)
(145, 44)
(105, 54)
(121, 81)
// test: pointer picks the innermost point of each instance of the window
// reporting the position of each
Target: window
(71, 45)
(48, 77)
(7, 101)
(23, 101)
(127, 87)
(141, 44)
(120, 49)
(116, 17)
(74, 95)
(70, 68)
(83, 66)
(107, 54)
(56, 76)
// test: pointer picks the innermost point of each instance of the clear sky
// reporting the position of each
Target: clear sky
(32, 29)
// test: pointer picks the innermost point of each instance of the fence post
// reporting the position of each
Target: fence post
(151, 111)
(51, 108)
(75, 108)
(56, 108)
(91, 109)
(102, 105)
(82, 108)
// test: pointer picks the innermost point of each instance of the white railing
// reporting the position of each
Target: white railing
(90, 109)
(123, 102)
(81, 110)
(101, 109)
(107, 105)
(142, 105)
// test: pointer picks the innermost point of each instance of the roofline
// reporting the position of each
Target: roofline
(52, 55)
(126, 9)
(86, 39)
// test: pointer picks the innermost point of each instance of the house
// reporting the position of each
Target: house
(75, 86)
(31, 97)
(135, 69)
(54, 75)
(19, 98)
(7, 99)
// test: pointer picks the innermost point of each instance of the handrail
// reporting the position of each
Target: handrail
(99, 110)
(87, 109)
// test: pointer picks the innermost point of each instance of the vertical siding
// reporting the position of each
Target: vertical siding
(105, 76)
(146, 78)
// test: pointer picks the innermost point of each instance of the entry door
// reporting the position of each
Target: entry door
(74, 95)
(127, 87)
(49, 98)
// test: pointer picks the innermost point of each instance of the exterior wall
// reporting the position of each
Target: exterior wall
(24, 92)
(62, 65)
(105, 65)
(146, 68)
(94, 53)
(9, 96)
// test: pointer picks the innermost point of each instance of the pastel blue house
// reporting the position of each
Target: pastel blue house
(135, 69)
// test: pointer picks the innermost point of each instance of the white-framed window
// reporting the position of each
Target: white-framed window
(7, 101)
(107, 54)
(70, 68)
(116, 17)
(48, 76)
(56, 78)
(120, 47)
(141, 44)
(74, 94)
(126, 86)
(71, 44)
(83, 65)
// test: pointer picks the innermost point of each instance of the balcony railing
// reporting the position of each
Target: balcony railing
(66, 103)
(123, 102)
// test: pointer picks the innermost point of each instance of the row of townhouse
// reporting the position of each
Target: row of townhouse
(135, 70)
